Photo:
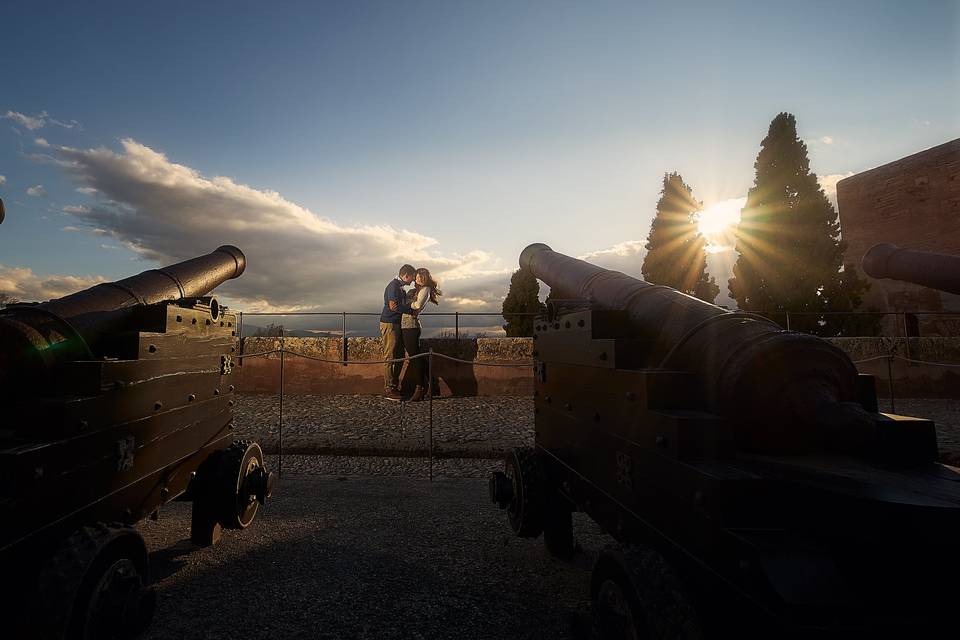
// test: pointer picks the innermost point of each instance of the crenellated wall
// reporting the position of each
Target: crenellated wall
(307, 376)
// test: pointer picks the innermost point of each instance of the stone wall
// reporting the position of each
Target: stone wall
(303, 375)
(307, 375)
(913, 202)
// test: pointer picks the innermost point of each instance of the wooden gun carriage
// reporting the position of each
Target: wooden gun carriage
(116, 400)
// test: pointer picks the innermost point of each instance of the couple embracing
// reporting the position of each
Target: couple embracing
(400, 328)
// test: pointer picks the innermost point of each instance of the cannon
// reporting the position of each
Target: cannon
(745, 472)
(116, 400)
(934, 270)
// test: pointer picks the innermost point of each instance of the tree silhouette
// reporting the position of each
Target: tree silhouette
(7, 299)
(522, 298)
(788, 240)
(676, 255)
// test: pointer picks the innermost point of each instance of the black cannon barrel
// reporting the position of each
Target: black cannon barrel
(776, 384)
(925, 268)
(33, 338)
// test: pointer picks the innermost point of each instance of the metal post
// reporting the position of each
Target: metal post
(893, 406)
(343, 330)
(456, 325)
(280, 426)
(906, 336)
(430, 402)
(788, 320)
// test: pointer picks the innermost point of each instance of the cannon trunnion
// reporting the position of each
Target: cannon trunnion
(822, 515)
(128, 408)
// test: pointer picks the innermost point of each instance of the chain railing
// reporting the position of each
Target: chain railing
(430, 356)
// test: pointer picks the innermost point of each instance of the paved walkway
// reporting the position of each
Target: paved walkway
(367, 557)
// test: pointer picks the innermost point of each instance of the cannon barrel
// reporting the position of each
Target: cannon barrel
(925, 268)
(36, 337)
(777, 385)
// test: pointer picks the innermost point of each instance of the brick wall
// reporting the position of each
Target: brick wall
(914, 203)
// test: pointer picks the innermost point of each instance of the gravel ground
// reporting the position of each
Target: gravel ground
(463, 427)
(327, 424)
(386, 466)
(368, 557)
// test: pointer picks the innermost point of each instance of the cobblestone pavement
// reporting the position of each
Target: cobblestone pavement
(314, 424)
(368, 558)
(467, 427)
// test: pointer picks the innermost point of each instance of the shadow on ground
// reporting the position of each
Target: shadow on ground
(366, 557)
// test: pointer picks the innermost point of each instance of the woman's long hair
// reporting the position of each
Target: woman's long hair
(428, 280)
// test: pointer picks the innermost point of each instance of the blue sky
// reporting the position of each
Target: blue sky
(477, 127)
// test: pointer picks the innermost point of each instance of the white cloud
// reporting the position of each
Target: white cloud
(296, 259)
(3, 179)
(36, 191)
(24, 284)
(626, 257)
(41, 142)
(86, 190)
(30, 122)
(76, 209)
(826, 140)
(829, 185)
(70, 228)
(467, 302)
(39, 120)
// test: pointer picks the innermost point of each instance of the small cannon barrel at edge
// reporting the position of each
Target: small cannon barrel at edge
(925, 268)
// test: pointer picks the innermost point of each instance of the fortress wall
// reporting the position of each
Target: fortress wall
(306, 376)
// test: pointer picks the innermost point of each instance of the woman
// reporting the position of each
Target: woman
(425, 290)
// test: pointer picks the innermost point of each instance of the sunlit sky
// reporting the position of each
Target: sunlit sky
(333, 141)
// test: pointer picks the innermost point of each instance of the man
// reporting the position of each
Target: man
(394, 306)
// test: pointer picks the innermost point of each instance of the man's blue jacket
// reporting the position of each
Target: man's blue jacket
(395, 292)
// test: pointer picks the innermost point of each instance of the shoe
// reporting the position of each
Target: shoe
(418, 394)
(393, 395)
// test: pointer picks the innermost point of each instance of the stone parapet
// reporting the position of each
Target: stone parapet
(303, 375)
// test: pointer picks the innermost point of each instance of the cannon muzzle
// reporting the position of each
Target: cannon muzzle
(776, 384)
(925, 268)
(34, 338)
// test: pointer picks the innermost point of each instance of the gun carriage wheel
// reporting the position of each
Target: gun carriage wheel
(230, 486)
(94, 586)
(637, 595)
(244, 484)
(520, 489)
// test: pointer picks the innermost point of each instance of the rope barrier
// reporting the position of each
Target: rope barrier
(254, 355)
(932, 364)
(390, 361)
(871, 359)
(480, 363)
(913, 360)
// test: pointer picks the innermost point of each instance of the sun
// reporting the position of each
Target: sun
(717, 222)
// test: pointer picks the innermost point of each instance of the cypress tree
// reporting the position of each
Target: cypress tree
(788, 240)
(676, 255)
(522, 298)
